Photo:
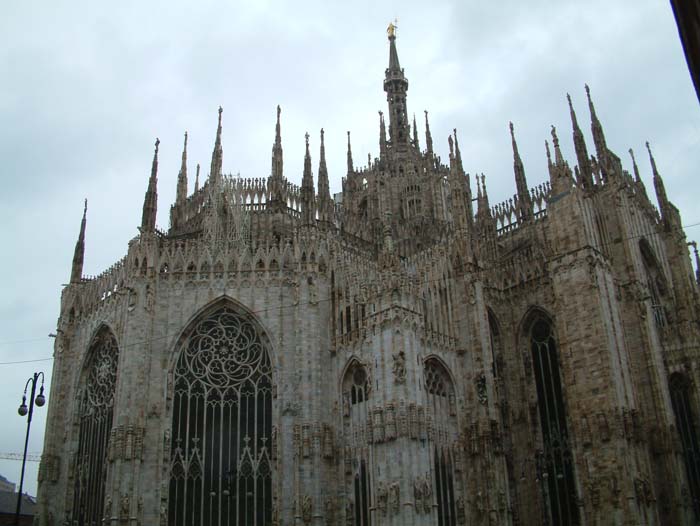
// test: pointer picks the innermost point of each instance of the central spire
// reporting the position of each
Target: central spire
(396, 86)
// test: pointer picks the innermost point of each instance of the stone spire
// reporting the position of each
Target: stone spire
(196, 180)
(584, 164)
(277, 161)
(351, 169)
(559, 173)
(307, 188)
(416, 144)
(428, 137)
(79, 253)
(598, 135)
(382, 135)
(524, 199)
(659, 187)
(637, 178)
(150, 202)
(396, 86)
(460, 191)
(217, 155)
(324, 193)
(181, 193)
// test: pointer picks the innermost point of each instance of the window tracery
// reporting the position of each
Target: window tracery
(95, 413)
(441, 401)
(220, 459)
(679, 386)
(555, 462)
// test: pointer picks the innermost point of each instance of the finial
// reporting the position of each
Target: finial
(279, 110)
(221, 110)
(512, 132)
(549, 154)
(555, 139)
(85, 209)
(652, 160)
(322, 134)
(348, 138)
(391, 29)
(588, 91)
(306, 136)
(157, 143)
(450, 142)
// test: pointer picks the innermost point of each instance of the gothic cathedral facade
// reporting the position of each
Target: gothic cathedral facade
(403, 353)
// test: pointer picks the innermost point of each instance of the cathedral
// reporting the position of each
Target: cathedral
(400, 353)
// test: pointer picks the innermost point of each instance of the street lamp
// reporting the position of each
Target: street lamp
(39, 400)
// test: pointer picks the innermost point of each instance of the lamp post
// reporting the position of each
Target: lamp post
(39, 401)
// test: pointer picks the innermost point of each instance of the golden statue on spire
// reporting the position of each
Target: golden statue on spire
(391, 30)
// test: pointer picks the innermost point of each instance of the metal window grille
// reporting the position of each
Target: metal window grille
(438, 385)
(95, 413)
(556, 462)
(220, 466)
(685, 421)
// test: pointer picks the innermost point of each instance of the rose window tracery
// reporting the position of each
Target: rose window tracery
(220, 458)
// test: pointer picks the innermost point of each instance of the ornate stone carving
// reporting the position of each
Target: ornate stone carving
(390, 427)
(481, 389)
(306, 509)
(382, 497)
(394, 497)
(329, 509)
(328, 442)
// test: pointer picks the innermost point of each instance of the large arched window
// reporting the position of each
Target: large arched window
(222, 424)
(440, 396)
(679, 386)
(95, 413)
(555, 464)
(355, 394)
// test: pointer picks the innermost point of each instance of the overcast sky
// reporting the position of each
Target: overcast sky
(86, 88)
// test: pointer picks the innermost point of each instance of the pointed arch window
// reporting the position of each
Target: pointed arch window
(555, 462)
(95, 412)
(355, 392)
(679, 386)
(220, 458)
(441, 403)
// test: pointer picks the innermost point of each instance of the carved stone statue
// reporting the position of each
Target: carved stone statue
(399, 368)
(306, 509)
(330, 511)
(418, 494)
(427, 491)
(382, 496)
(394, 497)
(124, 507)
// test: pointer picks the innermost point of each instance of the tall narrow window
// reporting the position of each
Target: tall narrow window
(556, 463)
(221, 471)
(687, 427)
(441, 403)
(95, 411)
(355, 392)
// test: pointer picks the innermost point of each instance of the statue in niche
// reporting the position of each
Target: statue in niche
(349, 512)
(399, 368)
(124, 511)
(394, 497)
(330, 511)
(418, 494)
(382, 496)
(427, 491)
(306, 509)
